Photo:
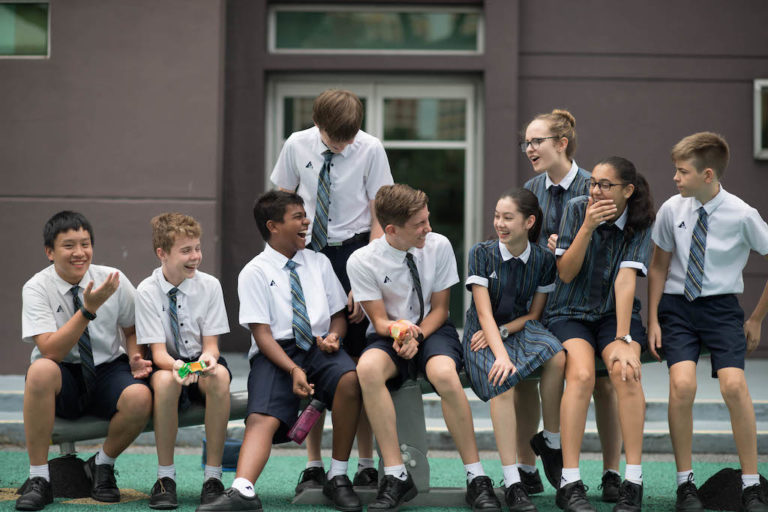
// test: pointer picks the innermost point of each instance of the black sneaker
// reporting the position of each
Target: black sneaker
(517, 499)
(753, 499)
(551, 459)
(393, 492)
(339, 490)
(688, 497)
(531, 482)
(630, 497)
(232, 500)
(366, 477)
(610, 485)
(103, 484)
(212, 489)
(480, 495)
(311, 478)
(163, 494)
(36, 493)
(573, 498)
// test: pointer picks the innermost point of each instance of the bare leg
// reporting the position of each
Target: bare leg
(503, 418)
(552, 380)
(133, 410)
(215, 386)
(257, 444)
(40, 389)
(347, 402)
(528, 413)
(682, 392)
(166, 415)
(315, 439)
(580, 382)
(631, 409)
(364, 436)
(373, 370)
(608, 426)
(733, 387)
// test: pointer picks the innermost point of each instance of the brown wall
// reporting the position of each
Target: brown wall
(121, 122)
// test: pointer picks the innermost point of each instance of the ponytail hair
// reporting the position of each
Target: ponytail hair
(528, 205)
(640, 204)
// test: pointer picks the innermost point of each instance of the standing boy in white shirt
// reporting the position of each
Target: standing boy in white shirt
(293, 305)
(337, 169)
(407, 274)
(85, 361)
(180, 314)
(703, 237)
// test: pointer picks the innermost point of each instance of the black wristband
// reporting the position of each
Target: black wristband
(87, 314)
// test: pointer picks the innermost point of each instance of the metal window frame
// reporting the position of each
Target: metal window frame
(760, 86)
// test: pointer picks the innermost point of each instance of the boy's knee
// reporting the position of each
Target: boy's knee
(348, 387)
(136, 401)
(369, 373)
(445, 380)
(164, 384)
(43, 375)
(683, 387)
(581, 378)
(733, 388)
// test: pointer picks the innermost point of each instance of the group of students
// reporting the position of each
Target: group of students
(350, 297)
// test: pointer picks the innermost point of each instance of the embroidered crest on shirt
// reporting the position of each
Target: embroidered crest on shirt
(272, 283)
(60, 309)
(387, 280)
(309, 165)
(681, 225)
(493, 275)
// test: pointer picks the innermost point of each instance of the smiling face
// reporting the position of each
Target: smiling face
(510, 224)
(289, 236)
(71, 254)
(550, 152)
(619, 193)
(182, 261)
(411, 234)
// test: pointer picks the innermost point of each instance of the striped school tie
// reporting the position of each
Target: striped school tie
(556, 192)
(695, 274)
(320, 224)
(416, 284)
(174, 314)
(87, 366)
(302, 330)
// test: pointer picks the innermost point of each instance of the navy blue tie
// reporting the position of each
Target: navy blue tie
(506, 309)
(87, 365)
(600, 262)
(302, 330)
(556, 196)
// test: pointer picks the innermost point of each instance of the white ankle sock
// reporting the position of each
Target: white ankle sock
(102, 458)
(682, 477)
(552, 439)
(166, 472)
(212, 472)
(364, 464)
(525, 467)
(511, 474)
(315, 464)
(338, 467)
(634, 473)
(398, 472)
(749, 480)
(473, 470)
(570, 475)
(41, 471)
(244, 487)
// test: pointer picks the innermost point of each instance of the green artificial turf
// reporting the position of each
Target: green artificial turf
(275, 487)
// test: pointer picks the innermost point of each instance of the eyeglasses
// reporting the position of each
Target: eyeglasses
(605, 186)
(534, 143)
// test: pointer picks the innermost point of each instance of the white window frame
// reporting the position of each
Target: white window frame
(274, 9)
(761, 85)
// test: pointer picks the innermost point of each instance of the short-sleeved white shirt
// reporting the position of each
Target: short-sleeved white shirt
(264, 289)
(733, 229)
(199, 307)
(378, 271)
(48, 304)
(357, 173)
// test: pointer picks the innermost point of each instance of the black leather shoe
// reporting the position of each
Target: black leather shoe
(551, 459)
(366, 477)
(103, 484)
(393, 492)
(688, 497)
(531, 482)
(573, 498)
(480, 495)
(311, 478)
(212, 489)
(610, 485)
(517, 499)
(232, 500)
(163, 494)
(753, 499)
(630, 497)
(339, 490)
(36, 493)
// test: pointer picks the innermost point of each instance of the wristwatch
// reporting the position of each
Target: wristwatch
(87, 314)
(504, 332)
(627, 338)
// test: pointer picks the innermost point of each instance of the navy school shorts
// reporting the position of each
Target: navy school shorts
(600, 333)
(192, 393)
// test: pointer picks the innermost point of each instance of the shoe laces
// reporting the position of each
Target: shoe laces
(609, 478)
(754, 494)
(515, 491)
(37, 484)
(687, 488)
(308, 472)
(628, 492)
(579, 490)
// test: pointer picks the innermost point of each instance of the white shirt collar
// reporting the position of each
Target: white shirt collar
(393, 253)
(63, 286)
(567, 180)
(165, 286)
(712, 204)
(321, 148)
(506, 255)
(278, 259)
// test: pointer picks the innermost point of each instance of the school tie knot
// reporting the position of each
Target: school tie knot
(290, 265)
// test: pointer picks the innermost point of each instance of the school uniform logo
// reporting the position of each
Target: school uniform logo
(60, 309)
(309, 165)
(387, 280)
(681, 225)
(272, 283)
(493, 275)
(163, 307)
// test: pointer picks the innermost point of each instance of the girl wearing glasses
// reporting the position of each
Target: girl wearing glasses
(603, 244)
(504, 341)
(549, 144)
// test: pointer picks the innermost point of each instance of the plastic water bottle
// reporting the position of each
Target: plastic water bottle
(306, 421)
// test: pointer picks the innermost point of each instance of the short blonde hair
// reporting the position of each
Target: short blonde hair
(705, 149)
(397, 203)
(167, 227)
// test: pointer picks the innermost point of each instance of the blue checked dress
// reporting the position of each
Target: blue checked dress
(528, 349)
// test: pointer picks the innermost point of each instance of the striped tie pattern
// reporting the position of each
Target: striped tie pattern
(695, 274)
(320, 224)
(416, 284)
(87, 366)
(174, 314)
(302, 330)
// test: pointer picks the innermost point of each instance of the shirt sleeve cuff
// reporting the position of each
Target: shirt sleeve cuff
(546, 289)
(559, 251)
(481, 281)
(636, 265)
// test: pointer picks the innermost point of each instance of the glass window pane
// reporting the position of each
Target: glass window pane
(24, 29)
(439, 173)
(424, 119)
(376, 30)
(297, 114)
